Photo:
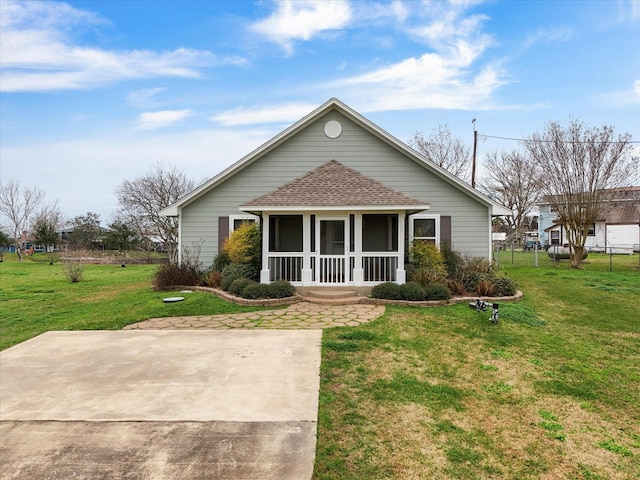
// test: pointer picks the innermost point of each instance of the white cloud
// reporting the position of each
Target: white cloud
(161, 119)
(550, 35)
(38, 53)
(144, 98)
(295, 20)
(289, 112)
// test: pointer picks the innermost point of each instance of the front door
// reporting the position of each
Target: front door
(331, 246)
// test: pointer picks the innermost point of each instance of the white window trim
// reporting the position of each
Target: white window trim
(246, 216)
(423, 216)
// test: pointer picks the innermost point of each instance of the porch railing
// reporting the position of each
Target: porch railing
(285, 267)
(338, 269)
(378, 268)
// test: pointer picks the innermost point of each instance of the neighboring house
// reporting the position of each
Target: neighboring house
(338, 200)
(617, 229)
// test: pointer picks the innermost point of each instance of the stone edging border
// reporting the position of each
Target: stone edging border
(276, 302)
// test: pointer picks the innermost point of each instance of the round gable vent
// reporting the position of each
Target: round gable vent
(332, 129)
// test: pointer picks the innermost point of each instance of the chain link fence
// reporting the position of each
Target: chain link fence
(514, 254)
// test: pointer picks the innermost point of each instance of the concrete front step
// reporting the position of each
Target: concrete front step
(334, 295)
(331, 293)
(334, 301)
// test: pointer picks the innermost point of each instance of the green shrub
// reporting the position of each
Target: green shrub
(427, 255)
(387, 291)
(243, 245)
(237, 286)
(246, 270)
(437, 291)
(505, 287)
(255, 291)
(221, 261)
(453, 261)
(281, 289)
(227, 280)
(172, 274)
(413, 291)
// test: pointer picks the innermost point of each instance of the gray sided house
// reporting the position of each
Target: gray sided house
(339, 201)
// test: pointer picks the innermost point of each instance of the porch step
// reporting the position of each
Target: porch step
(330, 296)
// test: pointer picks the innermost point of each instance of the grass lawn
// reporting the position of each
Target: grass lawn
(552, 391)
(36, 297)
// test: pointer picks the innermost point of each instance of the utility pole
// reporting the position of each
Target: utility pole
(473, 160)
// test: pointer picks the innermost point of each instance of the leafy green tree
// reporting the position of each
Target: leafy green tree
(120, 236)
(46, 230)
(85, 231)
(5, 241)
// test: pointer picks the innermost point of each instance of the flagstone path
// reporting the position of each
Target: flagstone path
(303, 315)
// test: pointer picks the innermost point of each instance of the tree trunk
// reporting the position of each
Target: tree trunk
(576, 256)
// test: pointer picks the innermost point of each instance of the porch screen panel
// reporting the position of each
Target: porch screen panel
(379, 233)
(285, 233)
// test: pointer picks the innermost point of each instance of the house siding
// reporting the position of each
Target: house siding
(355, 148)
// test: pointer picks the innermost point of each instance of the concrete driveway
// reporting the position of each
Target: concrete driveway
(160, 404)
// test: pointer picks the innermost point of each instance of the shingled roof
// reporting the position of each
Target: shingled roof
(333, 185)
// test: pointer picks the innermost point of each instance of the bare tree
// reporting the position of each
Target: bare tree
(142, 199)
(18, 205)
(579, 164)
(513, 180)
(446, 151)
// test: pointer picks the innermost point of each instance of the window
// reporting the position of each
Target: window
(285, 233)
(425, 228)
(555, 237)
(236, 220)
(380, 232)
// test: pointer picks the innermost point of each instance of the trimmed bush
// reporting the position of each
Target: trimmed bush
(256, 291)
(246, 270)
(437, 291)
(171, 274)
(505, 287)
(227, 280)
(237, 286)
(413, 291)
(387, 291)
(281, 289)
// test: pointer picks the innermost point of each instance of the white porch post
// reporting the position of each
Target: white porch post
(306, 250)
(401, 275)
(358, 272)
(264, 273)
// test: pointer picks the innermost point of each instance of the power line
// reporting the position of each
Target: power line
(484, 137)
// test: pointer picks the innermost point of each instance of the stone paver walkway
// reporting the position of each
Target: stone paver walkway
(302, 315)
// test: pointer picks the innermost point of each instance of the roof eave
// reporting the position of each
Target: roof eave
(333, 208)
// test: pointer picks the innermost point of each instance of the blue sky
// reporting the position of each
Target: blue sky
(92, 93)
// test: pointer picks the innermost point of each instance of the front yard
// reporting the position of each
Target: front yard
(551, 391)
